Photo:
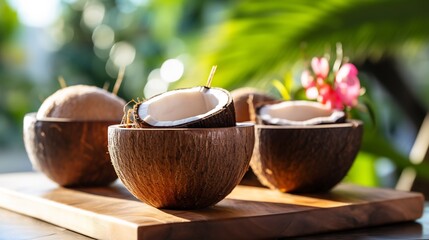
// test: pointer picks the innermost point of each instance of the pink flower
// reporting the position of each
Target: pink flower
(347, 84)
(307, 81)
(329, 97)
(320, 67)
(338, 90)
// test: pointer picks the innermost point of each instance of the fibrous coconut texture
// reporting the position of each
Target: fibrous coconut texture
(184, 151)
(298, 113)
(246, 99)
(71, 153)
(303, 146)
(181, 168)
(197, 107)
(241, 97)
(82, 102)
(305, 158)
(67, 138)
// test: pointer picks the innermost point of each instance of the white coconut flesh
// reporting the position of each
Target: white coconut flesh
(183, 106)
(299, 113)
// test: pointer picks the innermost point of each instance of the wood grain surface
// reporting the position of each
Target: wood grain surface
(248, 212)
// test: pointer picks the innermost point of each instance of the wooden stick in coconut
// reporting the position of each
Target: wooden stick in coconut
(252, 114)
(62, 82)
(209, 80)
(212, 73)
(106, 86)
(118, 82)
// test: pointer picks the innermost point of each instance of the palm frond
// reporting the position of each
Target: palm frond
(264, 37)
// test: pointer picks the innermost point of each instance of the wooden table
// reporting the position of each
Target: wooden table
(15, 226)
(353, 207)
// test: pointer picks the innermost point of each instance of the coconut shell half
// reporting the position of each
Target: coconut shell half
(71, 153)
(181, 168)
(305, 158)
(241, 101)
(197, 107)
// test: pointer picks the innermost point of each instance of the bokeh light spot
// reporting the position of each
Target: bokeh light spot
(103, 36)
(172, 70)
(40, 13)
(122, 54)
(93, 14)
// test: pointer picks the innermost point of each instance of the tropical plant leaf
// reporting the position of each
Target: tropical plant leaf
(8, 20)
(289, 82)
(262, 38)
(281, 88)
(370, 110)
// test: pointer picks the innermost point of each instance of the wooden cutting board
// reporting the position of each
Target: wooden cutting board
(248, 212)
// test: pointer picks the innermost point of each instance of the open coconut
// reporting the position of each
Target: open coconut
(181, 168)
(241, 101)
(303, 146)
(197, 107)
(310, 158)
(298, 113)
(67, 140)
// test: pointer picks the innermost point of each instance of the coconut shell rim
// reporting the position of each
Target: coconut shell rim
(185, 88)
(125, 128)
(348, 123)
(340, 118)
(205, 115)
(68, 120)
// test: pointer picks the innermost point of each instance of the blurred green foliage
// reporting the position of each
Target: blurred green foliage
(262, 38)
(13, 99)
(8, 20)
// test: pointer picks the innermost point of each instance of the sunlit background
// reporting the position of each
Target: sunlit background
(117, 31)
(168, 44)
